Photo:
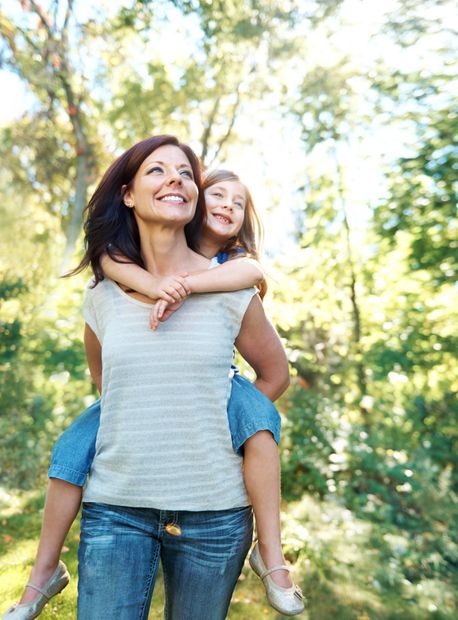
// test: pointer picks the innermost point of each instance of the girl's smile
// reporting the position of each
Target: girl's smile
(225, 203)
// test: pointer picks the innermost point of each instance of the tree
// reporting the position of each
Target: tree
(39, 51)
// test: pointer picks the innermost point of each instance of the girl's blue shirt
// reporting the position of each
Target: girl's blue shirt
(222, 257)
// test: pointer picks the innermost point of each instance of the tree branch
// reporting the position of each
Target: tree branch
(208, 129)
(68, 14)
(42, 15)
(7, 31)
(227, 135)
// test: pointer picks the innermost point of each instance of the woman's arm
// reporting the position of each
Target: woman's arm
(260, 346)
(94, 356)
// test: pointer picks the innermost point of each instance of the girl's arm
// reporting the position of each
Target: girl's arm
(232, 275)
(260, 346)
(94, 356)
(170, 288)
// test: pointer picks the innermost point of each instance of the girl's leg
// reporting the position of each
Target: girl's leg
(70, 463)
(62, 505)
(261, 467)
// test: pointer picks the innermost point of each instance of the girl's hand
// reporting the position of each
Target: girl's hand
(173, 289)
(162, 311)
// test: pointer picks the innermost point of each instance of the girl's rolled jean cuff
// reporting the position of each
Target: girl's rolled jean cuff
(249, 411)
(74, 451)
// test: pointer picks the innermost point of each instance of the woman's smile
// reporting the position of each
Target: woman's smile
(173, 198)
(165, 179)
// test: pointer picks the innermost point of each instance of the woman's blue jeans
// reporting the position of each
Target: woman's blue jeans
(121, 547)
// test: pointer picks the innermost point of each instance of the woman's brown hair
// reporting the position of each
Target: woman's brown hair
(110, 227)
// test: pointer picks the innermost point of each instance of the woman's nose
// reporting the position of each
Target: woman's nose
(175, 178)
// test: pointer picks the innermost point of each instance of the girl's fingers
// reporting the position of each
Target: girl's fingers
(182, 292)
(174, 294)
(167, 297)
(157, 313)
(162, 308)
(177, 291)
(184, 284)
(152, 320)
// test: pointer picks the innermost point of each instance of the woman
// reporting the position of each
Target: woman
(165, 482)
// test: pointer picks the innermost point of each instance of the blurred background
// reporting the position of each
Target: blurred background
(341, 117)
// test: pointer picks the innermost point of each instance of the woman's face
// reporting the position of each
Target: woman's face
(163, 190)
(225, 209)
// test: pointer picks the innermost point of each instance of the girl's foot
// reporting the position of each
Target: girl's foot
(39, 578)
(287, 600)
(274, 557)
(33, 608)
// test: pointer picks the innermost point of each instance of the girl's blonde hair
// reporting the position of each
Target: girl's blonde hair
(249, 239)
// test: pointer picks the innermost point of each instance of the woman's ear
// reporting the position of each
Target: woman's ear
(127, 197)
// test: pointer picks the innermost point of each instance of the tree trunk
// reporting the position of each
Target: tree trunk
(356, 312)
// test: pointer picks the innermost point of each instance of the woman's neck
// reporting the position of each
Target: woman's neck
(166, 252)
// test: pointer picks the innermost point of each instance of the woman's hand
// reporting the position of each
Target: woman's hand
(162, 311)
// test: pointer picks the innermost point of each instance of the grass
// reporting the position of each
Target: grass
(348, 568)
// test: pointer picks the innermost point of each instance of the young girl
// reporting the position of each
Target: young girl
(229, 234)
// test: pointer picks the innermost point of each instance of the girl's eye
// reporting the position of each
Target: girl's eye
(239, 205)
(218, 194)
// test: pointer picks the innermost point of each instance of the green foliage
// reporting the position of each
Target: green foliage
(423, 197)
(308, 435)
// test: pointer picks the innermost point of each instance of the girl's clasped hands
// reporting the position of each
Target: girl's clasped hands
(172, 291)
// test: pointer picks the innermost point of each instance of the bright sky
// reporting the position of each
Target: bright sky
(273, 164)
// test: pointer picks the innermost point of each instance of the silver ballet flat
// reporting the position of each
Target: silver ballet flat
(55, 584)
(288, 601)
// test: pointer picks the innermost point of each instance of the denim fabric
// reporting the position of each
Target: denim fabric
(249, 411)
(74, 451)
(121, 548)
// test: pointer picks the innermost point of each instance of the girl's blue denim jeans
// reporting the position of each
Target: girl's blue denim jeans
(120, 551)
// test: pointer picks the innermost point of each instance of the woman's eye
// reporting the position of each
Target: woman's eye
(155, 169)
(187, 173)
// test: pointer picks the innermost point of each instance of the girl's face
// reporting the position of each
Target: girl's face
(163, 190)
(225, 209)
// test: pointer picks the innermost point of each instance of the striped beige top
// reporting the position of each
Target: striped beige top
(164, 440)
